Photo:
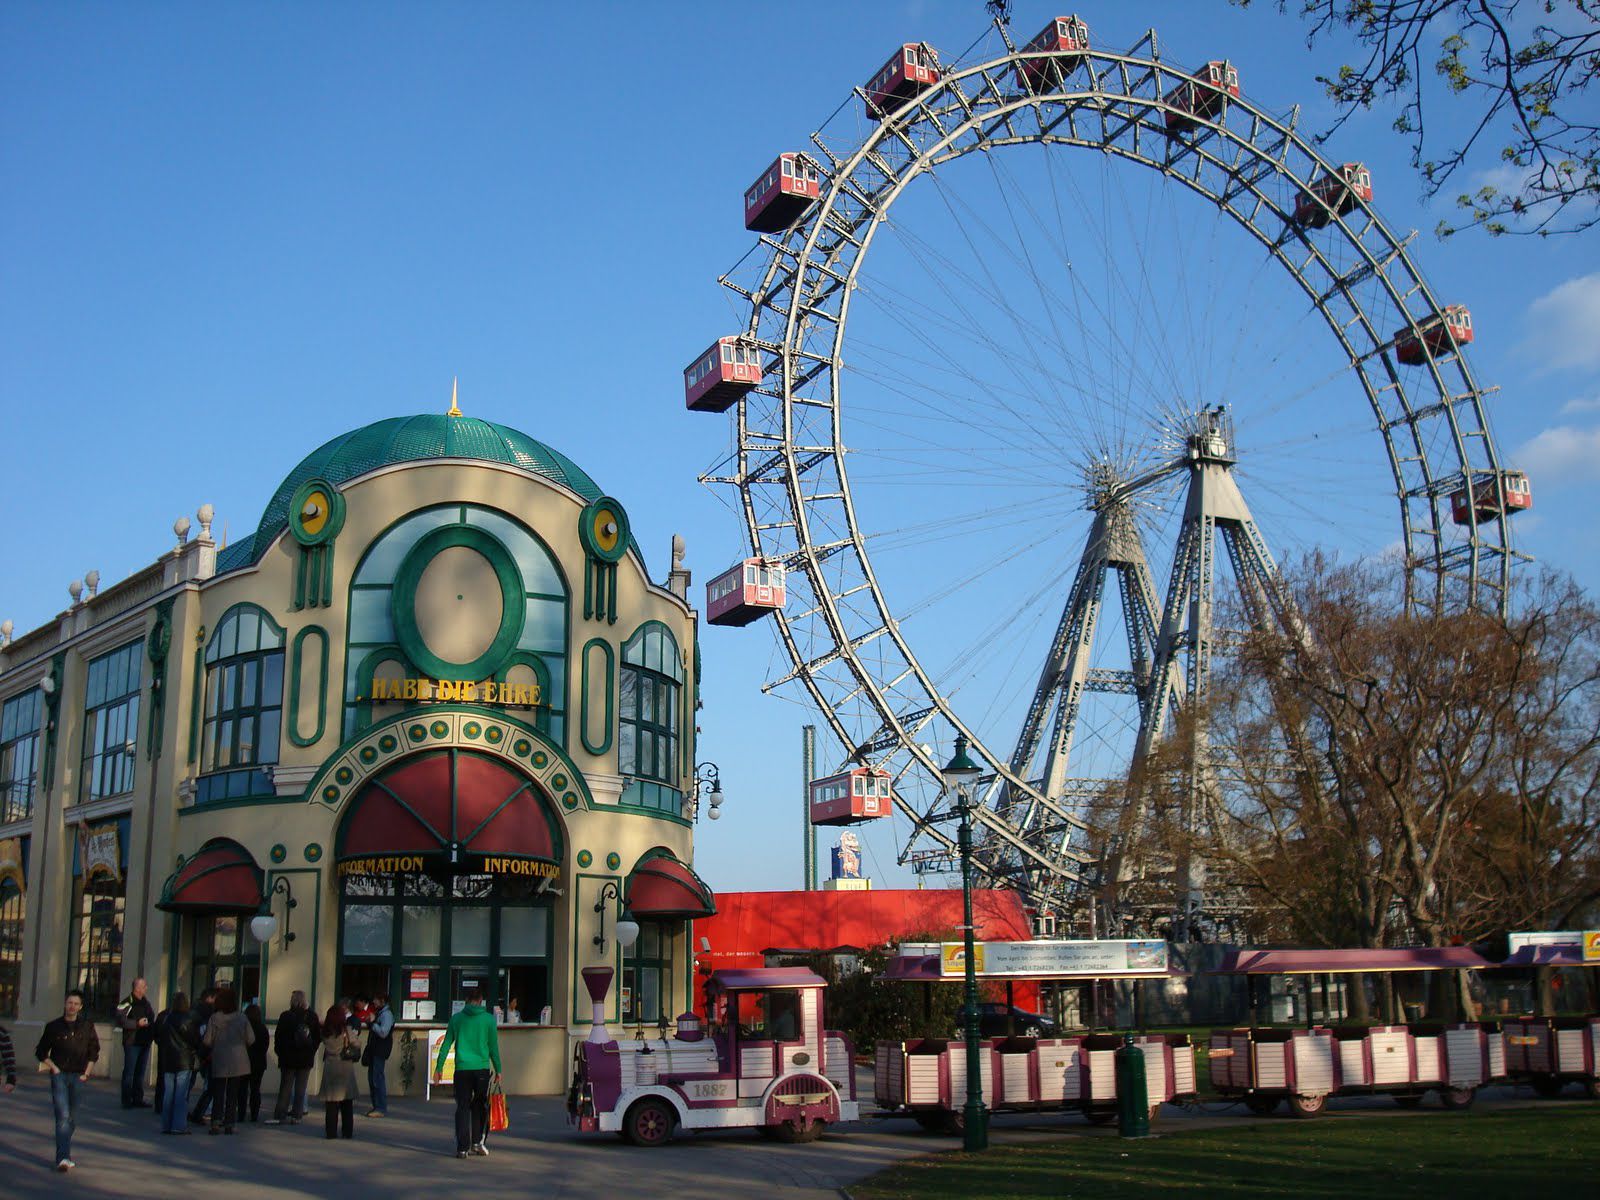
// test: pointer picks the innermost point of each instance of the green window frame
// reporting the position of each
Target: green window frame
(650, 706)
(242, 724)
(13, 915)
(394, 927)
(647, 996)
(223, 949)
(20, 718)
(111, 722)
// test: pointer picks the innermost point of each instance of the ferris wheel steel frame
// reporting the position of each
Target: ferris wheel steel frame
(790, 450)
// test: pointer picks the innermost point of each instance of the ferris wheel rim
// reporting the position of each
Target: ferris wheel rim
(795, 251)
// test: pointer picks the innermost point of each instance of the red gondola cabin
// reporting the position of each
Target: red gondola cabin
(913, 70)
(747, 592)
(1335, 193)
(1063, 36)
(1438, 334)
(850, 797)
(1202, 98)
(785, 190)
(1486, 504)
(720, 377)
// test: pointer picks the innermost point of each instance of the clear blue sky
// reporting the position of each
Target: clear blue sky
(231, 232)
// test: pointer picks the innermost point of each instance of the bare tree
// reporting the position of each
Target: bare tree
(1392, 775)
(1525, 68)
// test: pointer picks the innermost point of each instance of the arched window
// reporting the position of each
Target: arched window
(649, 707)
(243, 702)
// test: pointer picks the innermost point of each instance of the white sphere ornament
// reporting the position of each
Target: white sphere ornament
(627, 932)
(263, 927)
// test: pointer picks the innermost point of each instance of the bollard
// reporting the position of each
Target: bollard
(1133, 1097)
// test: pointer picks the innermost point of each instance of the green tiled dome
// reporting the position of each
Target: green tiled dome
(409, 439)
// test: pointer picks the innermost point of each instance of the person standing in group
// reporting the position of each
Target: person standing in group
(229, 1035)
(8, 1062)
(258, 1063)
(178, 1057)
(341, 1051)
(295, 1042)
(476, 1039)
(136, 1018)
(202, 1021)
(67, 1049)
(380, 1043)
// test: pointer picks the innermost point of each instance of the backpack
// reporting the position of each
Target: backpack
(301, 1038)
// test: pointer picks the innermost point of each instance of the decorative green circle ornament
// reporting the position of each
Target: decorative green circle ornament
(417, 732)
(439, 729)
(472, 729)
(570, 800)
(316, 512)
(585, 859)
(313, 852)
(387, 743)
(513, 602)
(159, 642)
(603, 529)
(540, 758)
(495, 735)
(558, 781)
(278, 853)
(521, 746)
(613, 861)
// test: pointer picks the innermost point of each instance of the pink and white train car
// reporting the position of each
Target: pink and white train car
(926, 1078)
(768, 1064)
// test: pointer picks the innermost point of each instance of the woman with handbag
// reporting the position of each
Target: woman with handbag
(341, 1051)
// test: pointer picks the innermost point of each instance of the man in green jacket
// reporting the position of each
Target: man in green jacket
(476, 1039)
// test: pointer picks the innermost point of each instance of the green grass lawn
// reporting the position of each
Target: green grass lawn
(1529, 1155)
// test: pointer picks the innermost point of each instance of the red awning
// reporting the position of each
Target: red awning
(662, 888)
(221, 877)
(1319, 962)
(447, 805)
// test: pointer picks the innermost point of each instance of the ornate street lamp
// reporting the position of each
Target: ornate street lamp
(625, 929)
(960, 775)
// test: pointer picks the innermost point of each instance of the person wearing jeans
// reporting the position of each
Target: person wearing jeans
(476, 1039)
(178, 1057)
(380, 1042)
(298, 1035)
(137, 1019)
(67, 1048)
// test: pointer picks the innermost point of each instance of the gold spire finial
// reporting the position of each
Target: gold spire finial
(455, 409)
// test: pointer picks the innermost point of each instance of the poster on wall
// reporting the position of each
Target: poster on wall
(419, 984)
(11, 861)
(102, 852)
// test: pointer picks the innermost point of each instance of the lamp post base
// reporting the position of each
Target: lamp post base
(974, 1127)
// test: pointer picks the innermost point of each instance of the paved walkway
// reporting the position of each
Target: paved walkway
(411, 1153)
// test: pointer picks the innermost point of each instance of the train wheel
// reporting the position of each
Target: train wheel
(1408, 1101)
(798, 1131)
(1307, 1106)
(1458, 1098)
(1548, 1085)
(933, 1122)
(1262, 1106)
(1100, 1116)
(649, 1122)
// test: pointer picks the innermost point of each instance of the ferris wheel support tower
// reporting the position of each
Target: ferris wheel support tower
(1188, 632)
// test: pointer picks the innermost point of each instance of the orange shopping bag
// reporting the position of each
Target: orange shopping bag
(499, 1114)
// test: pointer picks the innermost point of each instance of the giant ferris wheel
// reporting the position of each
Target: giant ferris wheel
(1013, 419)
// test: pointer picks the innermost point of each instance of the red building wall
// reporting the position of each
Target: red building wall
(749, 925)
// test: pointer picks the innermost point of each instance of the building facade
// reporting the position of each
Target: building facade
(433, 719)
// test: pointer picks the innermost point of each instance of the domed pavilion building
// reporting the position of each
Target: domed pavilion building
(429, 728)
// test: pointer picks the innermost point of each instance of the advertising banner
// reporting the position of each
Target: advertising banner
(1100, 958)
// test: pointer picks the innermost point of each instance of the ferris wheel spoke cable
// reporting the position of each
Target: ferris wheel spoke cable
(969, 218)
